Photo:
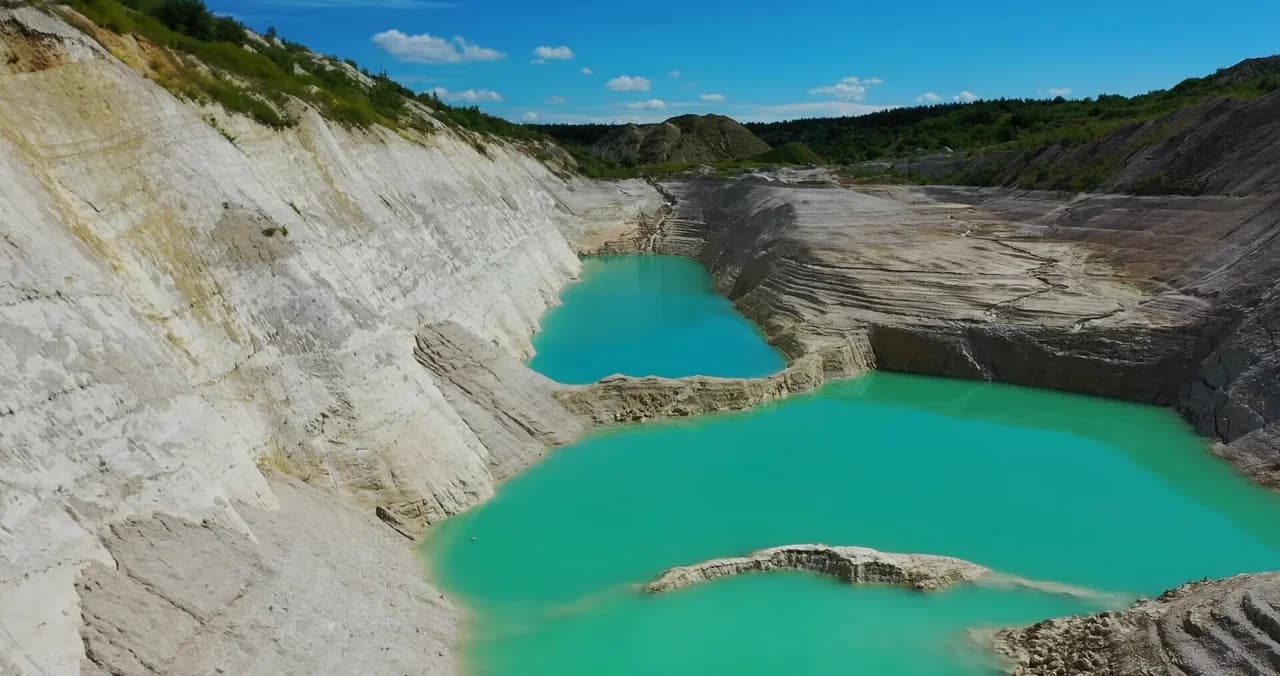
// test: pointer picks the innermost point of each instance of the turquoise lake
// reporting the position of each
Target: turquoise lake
(1115, 497)
(648, 316)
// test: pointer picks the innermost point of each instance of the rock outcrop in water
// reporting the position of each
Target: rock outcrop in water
(1206, 628)
(853, 565)
(862, 565)
(624, 399)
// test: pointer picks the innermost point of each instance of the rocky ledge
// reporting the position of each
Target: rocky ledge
(853, 565)
(1167, 300)
(1227, 626)
(625, 399)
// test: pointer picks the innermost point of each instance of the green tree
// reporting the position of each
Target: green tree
(189, 17)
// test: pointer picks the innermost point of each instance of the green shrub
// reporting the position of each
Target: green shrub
(189, 17)
(235, 99)
(268, 72)
(790, 153)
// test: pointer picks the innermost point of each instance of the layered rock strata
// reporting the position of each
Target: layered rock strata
(1204, 628)
(626, 399)
(194, 307)
(1161, 300)
(1167, 300)
(189, 301)
(852, 565)
(320, 588)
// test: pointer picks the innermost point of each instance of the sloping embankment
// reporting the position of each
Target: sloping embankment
(1204, 628)
(188, 298)
(1168, 300)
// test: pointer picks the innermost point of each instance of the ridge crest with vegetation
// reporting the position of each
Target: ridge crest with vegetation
(201, 56)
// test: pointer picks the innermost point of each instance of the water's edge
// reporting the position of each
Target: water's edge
(626, 400)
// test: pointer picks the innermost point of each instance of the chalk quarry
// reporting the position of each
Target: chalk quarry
(217, 444)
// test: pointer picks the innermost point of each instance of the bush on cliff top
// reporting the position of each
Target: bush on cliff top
(256, 77)
(790, 153)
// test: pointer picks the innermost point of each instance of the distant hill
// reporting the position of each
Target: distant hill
(1013, 124)
(685, 139)
(790, 153)
(1205, 134)
(1248, 70)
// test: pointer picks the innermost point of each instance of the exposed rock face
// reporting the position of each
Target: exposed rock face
(200, 598)
(619, 217)
(186, 296)
(853, 565)
(623, 399)
(1161, 300)
(1249, 69)
(511, 409)
(1166, 300)
(1222, 146)
(520, 414)
(684, 139)
(1227, 626)
(163, 336)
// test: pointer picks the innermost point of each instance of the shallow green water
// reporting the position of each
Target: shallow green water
(1112, 496)
(648, 315)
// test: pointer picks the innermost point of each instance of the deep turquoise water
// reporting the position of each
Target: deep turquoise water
(648, 316)
(1112, 496)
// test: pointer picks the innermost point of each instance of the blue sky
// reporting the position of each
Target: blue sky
(632, 60)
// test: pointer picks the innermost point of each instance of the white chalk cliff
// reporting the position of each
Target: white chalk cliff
(163, 340)
(231, 355)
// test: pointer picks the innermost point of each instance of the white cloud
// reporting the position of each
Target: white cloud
(557, 100)
(531, 116)
(632, 117)
(544, 54)
(426, 48)
(1059, 91)
(791, 111)
(966, 96)
(675, 74)
(378, 4)
(712, 98)
(587, 71)
(626, 83)
(467, 95)
(929, 98)
(651, 104)
(848, 89)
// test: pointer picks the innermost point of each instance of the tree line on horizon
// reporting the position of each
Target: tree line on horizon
(1031, 124)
